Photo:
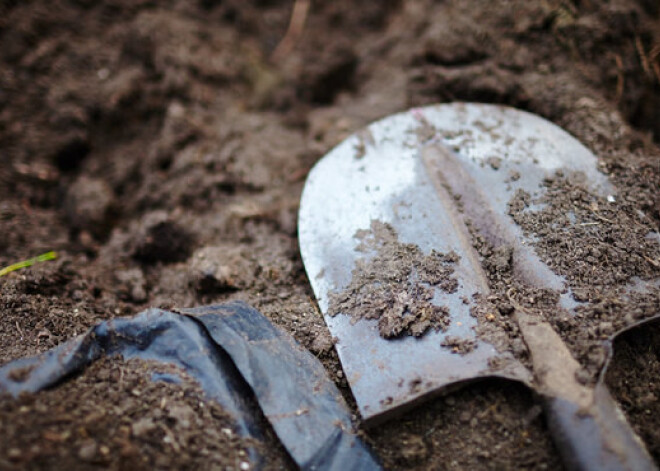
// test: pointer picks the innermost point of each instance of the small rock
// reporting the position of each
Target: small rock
(322, 343)
(606, 329)
(220, 268)
(142, 427)
(505, 308)
(494, 162)
(648, 400)
(414, 449)
(14, 454)
(183, 414)
(87, 451)
(88, 205)
(132, 284)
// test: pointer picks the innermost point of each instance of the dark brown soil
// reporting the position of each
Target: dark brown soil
(396, 286)
(114, 416)
(475, 428)
(634, 380)
(611, 262)
(158, 148)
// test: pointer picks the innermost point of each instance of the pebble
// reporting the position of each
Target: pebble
(142, 427)
(14, 454)
(87, 204)
(87, 451)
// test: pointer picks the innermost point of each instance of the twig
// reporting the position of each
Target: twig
(654, 52)
(594, 210)
(654, 58)
(512, 300)
(642, 56)
(602, 218)
(28, 263)
(296, 26)
(619, 77)
(20, 331)
(655, 263)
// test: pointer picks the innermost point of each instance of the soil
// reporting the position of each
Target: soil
(397, 285)
(633, 379)
(611, 263)
(459, 345)
(115, 416)
(489, 427)
(161, 150)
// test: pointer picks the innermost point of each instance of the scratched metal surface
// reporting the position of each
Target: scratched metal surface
(386, 173)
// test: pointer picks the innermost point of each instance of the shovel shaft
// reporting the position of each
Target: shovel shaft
(598, 438)
(588, 426)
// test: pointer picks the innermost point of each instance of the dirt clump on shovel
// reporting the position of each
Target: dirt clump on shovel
(611, 240)
(397, 285)
(459, 345)
(608, 252)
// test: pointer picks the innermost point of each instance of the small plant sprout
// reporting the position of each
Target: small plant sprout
(28, 263)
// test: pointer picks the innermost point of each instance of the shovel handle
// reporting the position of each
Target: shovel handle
(588, 426)
(596, 438)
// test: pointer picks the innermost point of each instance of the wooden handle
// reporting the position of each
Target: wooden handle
(590, 430)
(598, 437)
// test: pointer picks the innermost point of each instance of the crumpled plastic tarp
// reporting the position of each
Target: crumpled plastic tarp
(238, 357)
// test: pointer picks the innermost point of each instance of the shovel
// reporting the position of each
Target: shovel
(387, 224)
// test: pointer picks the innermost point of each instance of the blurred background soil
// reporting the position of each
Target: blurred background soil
(160, 147)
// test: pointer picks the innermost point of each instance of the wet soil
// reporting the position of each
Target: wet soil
(634, 380)
(443, 435)
(397, 285)
(115, 416)
(610, 262)
(161, 151)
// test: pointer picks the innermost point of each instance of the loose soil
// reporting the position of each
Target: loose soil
(115, 416)
(611, 262)
(161, 151)
(397, 285)
(633, 379)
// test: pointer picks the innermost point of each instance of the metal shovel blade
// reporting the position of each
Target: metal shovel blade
(380, 178)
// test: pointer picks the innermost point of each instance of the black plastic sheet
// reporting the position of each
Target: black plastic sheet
(237, 356)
